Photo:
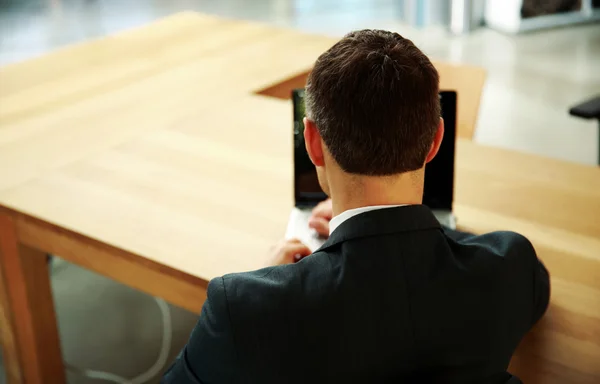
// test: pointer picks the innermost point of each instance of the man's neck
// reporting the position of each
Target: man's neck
(363, 191)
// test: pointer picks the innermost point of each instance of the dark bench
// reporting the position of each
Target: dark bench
(589, 109)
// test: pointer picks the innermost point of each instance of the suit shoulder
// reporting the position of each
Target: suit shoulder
(502, 243)
(270, 286)
(511, 239)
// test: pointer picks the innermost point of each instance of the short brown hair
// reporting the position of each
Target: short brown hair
(374, 99)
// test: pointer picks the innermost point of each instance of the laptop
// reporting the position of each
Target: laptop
(439, 175)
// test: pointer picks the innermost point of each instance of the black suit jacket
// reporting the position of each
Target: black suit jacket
(390, 297)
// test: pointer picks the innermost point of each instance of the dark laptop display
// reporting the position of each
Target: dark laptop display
(307, 190)
(439, 173)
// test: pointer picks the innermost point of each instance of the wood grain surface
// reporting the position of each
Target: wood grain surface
(151, 158)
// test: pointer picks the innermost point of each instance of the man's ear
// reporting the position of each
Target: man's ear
(314, 144)
(437, 141)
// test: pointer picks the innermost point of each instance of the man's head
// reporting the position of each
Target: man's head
(372, 107)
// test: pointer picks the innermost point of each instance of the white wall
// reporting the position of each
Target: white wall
(504, 15)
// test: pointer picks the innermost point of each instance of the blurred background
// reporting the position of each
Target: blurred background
(542, 57)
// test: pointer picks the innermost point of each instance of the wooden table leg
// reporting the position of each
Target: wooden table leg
(28, 325)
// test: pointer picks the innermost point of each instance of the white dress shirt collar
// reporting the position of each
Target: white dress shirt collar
(339, 219)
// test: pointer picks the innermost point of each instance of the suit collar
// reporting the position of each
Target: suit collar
(383, 222)
(339, 219)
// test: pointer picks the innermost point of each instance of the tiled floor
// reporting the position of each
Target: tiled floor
(532, 80)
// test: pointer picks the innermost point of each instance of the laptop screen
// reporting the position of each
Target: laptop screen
(439, 173)
(307, 190)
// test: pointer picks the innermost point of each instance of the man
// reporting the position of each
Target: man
(391, 296)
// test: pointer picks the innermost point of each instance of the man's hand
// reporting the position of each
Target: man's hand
(321, 215)
(288, 252)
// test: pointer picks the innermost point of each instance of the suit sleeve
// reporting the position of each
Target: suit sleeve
(209, 356)
(541, 290)
(541, 279)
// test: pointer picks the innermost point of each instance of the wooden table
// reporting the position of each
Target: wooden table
(156, 158)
